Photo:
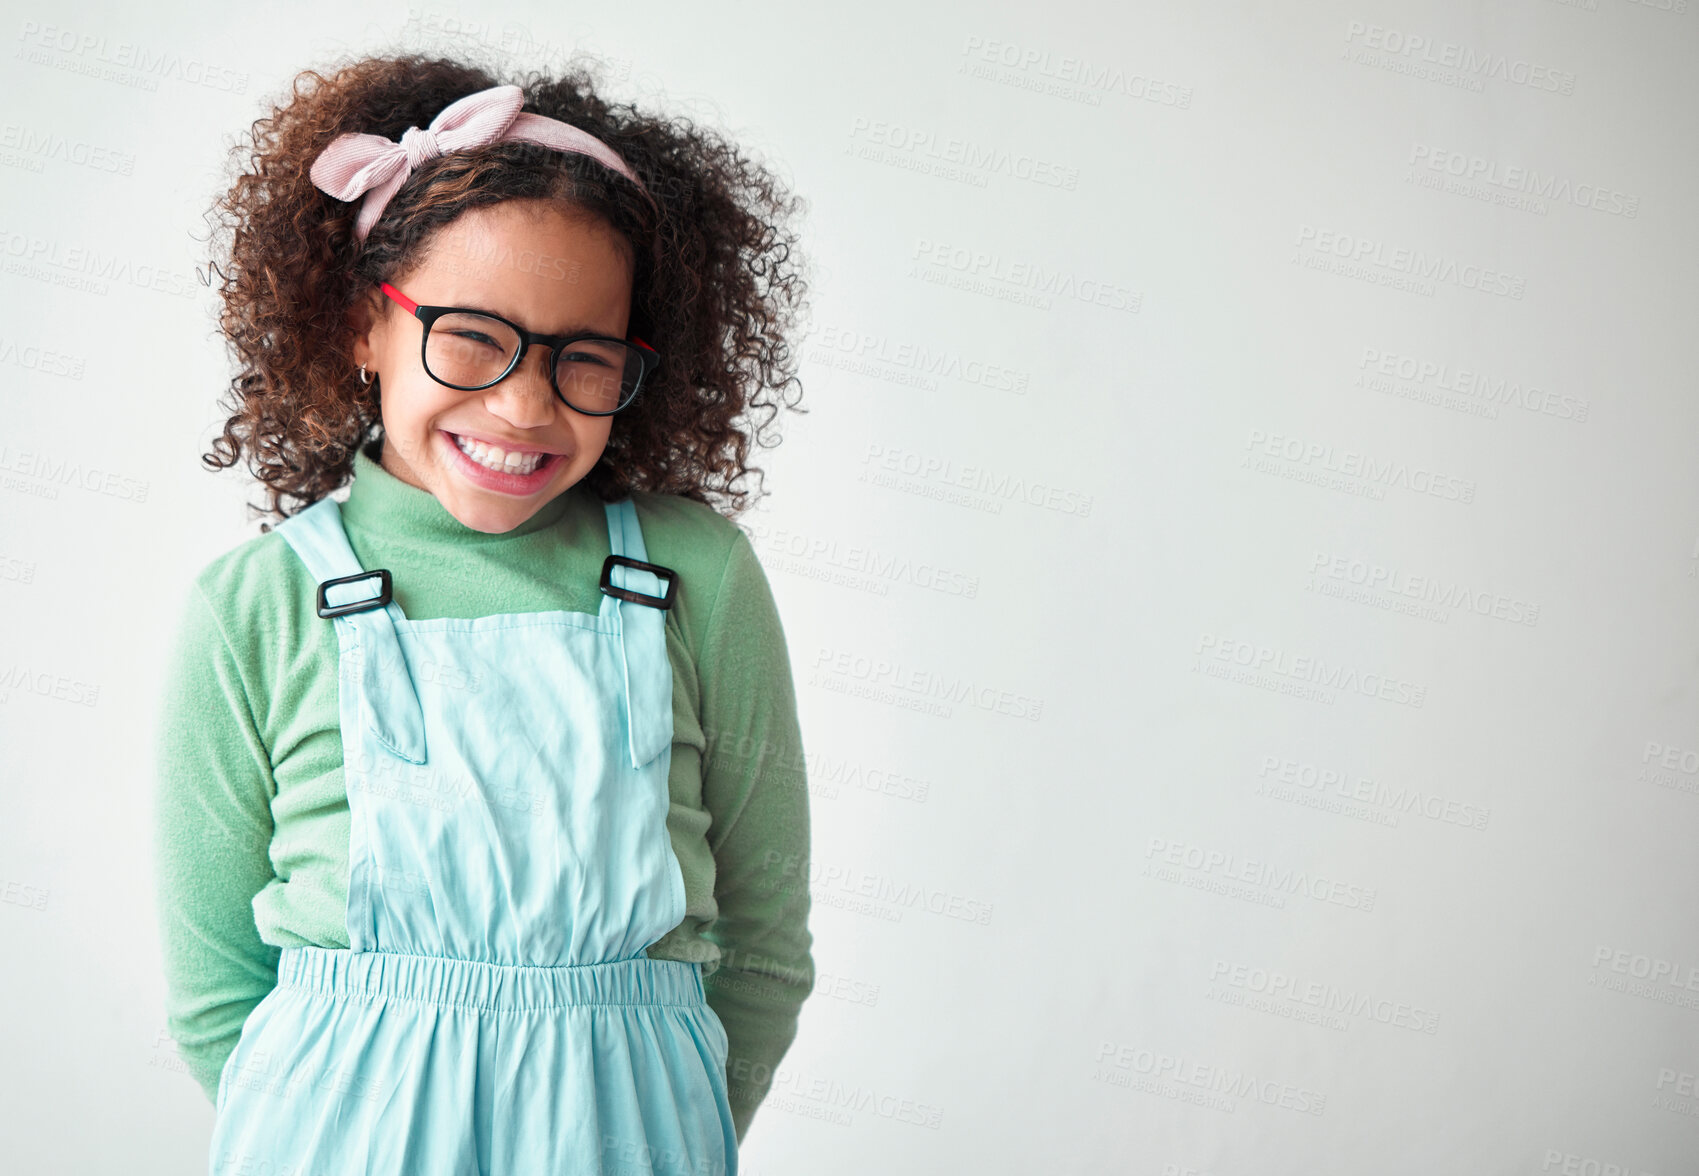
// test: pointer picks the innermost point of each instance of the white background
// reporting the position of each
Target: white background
(1240, 565)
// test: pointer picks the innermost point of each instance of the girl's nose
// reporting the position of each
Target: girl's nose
(525, 399)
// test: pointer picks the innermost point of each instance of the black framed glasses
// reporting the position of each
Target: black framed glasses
(470, 350)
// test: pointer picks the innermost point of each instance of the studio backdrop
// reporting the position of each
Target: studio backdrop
(1239, 564)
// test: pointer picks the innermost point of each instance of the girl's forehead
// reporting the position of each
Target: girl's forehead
(552, 281)
(499, 240)
(523, 219)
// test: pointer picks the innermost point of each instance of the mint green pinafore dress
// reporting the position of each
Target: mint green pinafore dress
(509, 863)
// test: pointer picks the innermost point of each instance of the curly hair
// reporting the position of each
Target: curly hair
(717, 282)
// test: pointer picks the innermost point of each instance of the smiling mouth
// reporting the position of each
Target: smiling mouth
(501, 461)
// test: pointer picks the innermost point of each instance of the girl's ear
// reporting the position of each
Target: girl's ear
(365, 319)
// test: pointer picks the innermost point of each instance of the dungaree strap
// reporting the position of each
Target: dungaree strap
(643, 640)
(392, 707)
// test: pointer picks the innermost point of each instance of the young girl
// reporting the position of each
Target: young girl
(482, 832)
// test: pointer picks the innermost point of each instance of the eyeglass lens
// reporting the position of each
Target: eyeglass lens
(471, 350)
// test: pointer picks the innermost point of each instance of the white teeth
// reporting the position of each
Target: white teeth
(500, 460)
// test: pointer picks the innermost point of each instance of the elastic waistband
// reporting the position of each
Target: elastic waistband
(440, 980)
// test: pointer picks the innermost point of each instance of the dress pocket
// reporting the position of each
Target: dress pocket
(251, 1028)
(717, 1035)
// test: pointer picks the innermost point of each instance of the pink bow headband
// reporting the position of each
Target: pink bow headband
(354, 163)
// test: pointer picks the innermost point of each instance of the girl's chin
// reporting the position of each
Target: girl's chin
(498, 481)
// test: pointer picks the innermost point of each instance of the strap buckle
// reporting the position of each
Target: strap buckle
(384, 596)
(660, 602)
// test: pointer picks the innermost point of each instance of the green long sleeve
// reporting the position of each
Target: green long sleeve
(756, 786)
(212, 828)
(251, 811)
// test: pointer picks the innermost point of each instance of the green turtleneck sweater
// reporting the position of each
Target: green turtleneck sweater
(251, 811)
